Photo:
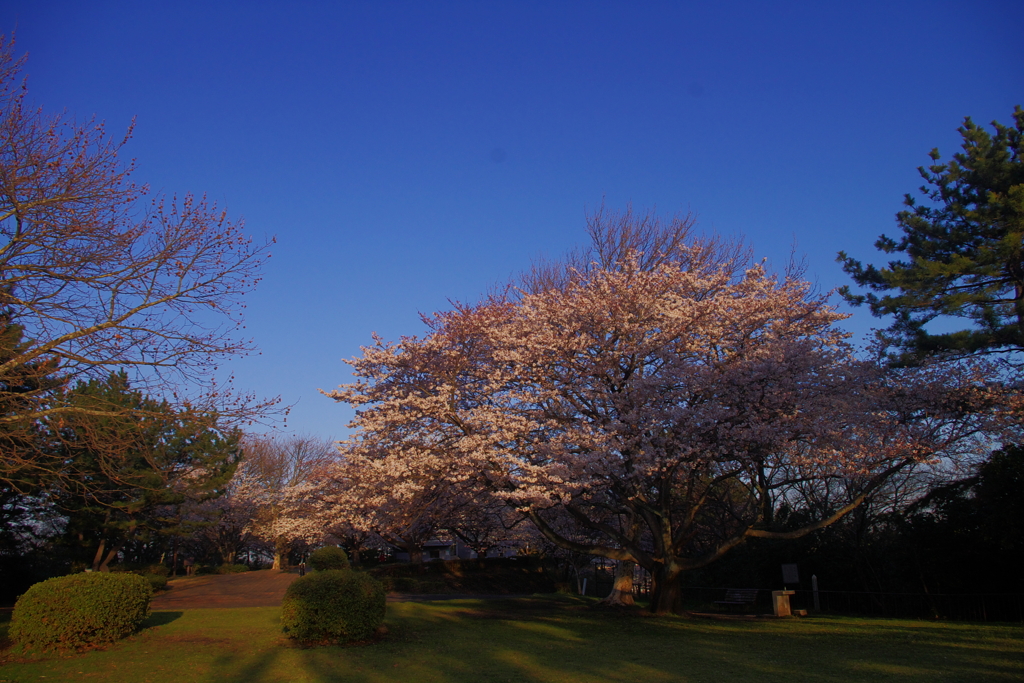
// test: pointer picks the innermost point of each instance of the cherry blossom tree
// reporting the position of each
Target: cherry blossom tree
(666, 405)
(403, 475)
(278, 473)
(485, 524)
(391, 494)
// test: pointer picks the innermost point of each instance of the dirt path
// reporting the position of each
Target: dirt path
(258, 589)
(250, 589)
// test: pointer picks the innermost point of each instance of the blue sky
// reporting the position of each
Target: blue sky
(405, 154)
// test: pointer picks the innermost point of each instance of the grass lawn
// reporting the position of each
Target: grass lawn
(543, 639)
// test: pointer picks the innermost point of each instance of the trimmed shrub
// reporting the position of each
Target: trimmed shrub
(155, 581)
(333, 605)
(328, 557)
(232, 569)
(70, 612)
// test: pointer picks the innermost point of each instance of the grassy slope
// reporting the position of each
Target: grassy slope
(560, 639)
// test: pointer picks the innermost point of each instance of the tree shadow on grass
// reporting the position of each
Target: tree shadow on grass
(233, 668)
(530, 640)
(161, 618)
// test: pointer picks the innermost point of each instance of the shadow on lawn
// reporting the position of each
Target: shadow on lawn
(248, 671)
(161, 618)
(549, 640)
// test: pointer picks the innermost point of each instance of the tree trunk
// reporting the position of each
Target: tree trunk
(227, 555)
(622, 588)
(101, 561)
(481, 554)
(666, 593)
(98, 557)
(280, 555)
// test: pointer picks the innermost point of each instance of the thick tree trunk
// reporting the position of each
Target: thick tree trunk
(622, 588)
(280, 555)
(413, 548)
(666, 593)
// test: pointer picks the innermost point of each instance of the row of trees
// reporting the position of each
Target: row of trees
(203, 497)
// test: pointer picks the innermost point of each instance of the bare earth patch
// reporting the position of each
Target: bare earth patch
(251, 589)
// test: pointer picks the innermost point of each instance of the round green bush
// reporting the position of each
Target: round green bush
(70, 612)
(333, 605)
(156, 582)
(328, 557)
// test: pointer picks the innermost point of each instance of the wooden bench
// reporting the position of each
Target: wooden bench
(738, 597)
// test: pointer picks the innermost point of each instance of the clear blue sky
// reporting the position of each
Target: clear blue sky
(405, 154)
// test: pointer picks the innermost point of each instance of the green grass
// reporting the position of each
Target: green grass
(544, 639)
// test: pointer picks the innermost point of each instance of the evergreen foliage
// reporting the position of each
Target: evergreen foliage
(23, 388)
(131, 462)
(964, 250)
(963, 537)
(70, 612)
(328, 557)
(333, 605)
(970, 533)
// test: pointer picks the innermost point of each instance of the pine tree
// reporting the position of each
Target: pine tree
(24, 390)
(964, 251)
(130, 461)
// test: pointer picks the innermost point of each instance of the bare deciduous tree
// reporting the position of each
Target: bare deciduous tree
(98, 278)
(95, 276)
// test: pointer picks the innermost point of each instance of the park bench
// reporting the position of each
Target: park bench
(738, 597)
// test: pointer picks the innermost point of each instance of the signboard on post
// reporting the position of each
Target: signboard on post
(790, 575)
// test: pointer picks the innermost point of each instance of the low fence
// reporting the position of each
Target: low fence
(1006, 607)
